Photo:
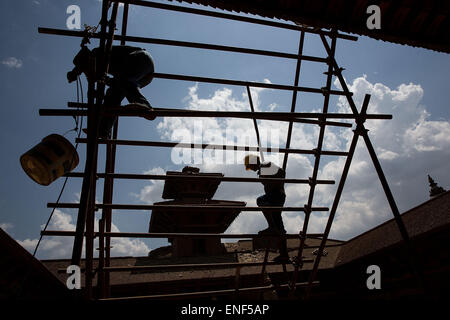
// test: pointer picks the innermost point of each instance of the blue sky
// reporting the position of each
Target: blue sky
(410, 83)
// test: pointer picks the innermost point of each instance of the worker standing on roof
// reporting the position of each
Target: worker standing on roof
(132, 68)
(274, 196)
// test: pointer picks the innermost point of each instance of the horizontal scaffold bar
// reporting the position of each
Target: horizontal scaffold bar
(193, 176)
(213, 146)
(175, 235)
(260, 116)
(221, 265)
(276, 116)
(210, 294)
(180, 207)
(265, 85)
(228, 16)
(187, 44)
(168, 267)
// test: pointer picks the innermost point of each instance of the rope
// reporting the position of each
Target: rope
(77, 121)
(79, 128)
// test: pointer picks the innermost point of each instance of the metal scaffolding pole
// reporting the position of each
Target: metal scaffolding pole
(91, 154)
(187, 44)
(95, 109)
(212, 147)
(275, 116)
(147, 207)
(294, 96)
(175, 235)
(108, 191)
(207, 294)
(316, 164)
(203, 177)
(333, 210)
(414, 264)
(221, 15)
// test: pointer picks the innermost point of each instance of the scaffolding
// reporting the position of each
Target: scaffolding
(94, 109)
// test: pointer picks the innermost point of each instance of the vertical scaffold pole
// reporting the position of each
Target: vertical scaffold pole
(414, 264)
(294, 96)
(91, 152)
(108, 189)
(316, 164)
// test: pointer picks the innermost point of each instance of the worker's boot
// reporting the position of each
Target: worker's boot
(268, 231)
(282, 245)
(282, 258)
(148, 110)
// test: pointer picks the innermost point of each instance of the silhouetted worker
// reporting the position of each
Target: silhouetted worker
(132, 68)
(274, 196)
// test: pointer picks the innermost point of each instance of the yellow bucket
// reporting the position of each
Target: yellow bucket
(50, 159)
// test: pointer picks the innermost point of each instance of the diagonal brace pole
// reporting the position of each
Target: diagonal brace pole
(294, 96)
(357, 132)
(255, 124)
(412, 256)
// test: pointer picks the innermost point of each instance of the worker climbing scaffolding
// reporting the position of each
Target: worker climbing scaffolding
(132, 68)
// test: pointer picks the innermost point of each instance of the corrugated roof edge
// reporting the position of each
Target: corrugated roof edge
(243, 7)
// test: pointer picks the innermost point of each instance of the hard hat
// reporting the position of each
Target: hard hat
(250, 159)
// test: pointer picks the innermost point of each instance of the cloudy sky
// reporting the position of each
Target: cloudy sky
(409, 83)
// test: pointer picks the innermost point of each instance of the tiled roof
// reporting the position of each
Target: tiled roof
(432, 215)
(243, 253)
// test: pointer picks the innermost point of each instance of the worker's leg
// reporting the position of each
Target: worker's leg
(278, 200)
(263, 201)
(273, 217)
(113, 97)
(282, 242)
(137, 74)
(133, 93)
(278, 219)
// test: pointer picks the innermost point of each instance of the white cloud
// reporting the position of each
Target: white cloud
(387, 154)
(429, 135)
(409, 146)
(28, 244)
(12, 62)
(6, 226)
(411, 138)
(152, 193)
(61, 247)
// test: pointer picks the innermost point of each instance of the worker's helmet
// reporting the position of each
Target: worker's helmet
(250, 159)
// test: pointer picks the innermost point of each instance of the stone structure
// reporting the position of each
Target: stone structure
(197, 191)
